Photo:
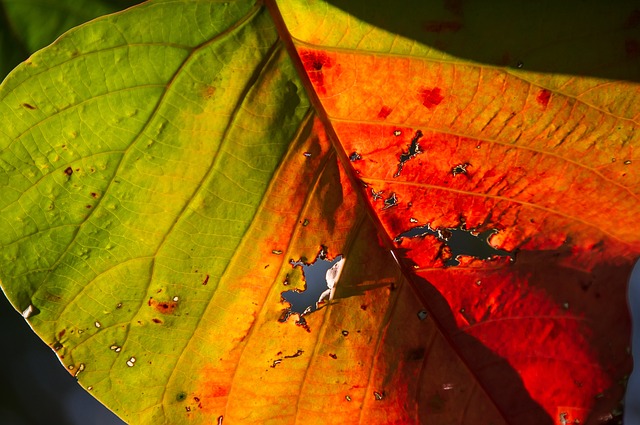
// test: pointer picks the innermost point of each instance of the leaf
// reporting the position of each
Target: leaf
(160, 185)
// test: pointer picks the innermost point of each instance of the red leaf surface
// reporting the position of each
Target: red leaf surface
(543, 179)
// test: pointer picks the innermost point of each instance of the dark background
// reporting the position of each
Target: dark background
(34, 386)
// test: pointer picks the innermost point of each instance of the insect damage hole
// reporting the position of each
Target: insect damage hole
(460, 169)
(413, 151)
(460, 241)
(320, 277)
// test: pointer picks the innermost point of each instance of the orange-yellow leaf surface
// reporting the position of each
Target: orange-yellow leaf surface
(164, 216)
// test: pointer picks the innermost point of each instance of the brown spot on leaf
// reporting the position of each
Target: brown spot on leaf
(28, 106)
(164, 307)
(431, 97)
(209, 92)
(156, 320)
(315, 62)
(206, 280)
(68, 171)
(333, 356)
(94, 195)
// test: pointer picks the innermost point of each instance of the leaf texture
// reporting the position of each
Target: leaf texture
(159, 184)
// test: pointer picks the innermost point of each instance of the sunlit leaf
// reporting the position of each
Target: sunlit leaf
(173, 175)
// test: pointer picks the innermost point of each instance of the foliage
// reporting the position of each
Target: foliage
(162, 189)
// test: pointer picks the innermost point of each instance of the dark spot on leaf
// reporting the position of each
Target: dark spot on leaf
(422, 314)
(29, 106)
(303, 324)
(384, 112)
(61, 333)
(363, 307)
(355, 156)
(164, 307)
(305, 223)
(188, 409)
(220, 418)
(415, 354)
(296, 354)
(57, 346)
(206, 280)
(442, 26)
(543, 97)
(68, 171)
(333, 356)
(94, 195)
(460, 169)
(431, 97)
(275, 363)
(156, 320)
(390, 202)
(412, 152)
(181, 396)
(315, 62)
(88, 207)
(345, 333)
(284, 316)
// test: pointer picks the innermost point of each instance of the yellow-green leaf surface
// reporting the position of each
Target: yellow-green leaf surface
(164, 172)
